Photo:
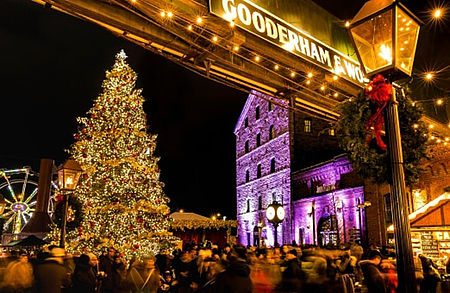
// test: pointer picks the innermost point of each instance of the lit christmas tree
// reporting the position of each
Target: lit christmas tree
(124, 205)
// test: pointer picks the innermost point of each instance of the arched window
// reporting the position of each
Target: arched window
(247, 176)
(272, 165)
(271, 132)
(246, 146)
(258, 139)
(258, 172)
(257, 113)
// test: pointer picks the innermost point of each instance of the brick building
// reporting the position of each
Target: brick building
(294, 159)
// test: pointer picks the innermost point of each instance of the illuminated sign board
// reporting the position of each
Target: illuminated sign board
(269, 27)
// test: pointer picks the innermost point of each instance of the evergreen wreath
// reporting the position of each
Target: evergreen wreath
(77, 208)
(370, 162)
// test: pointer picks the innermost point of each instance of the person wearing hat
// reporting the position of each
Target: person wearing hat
(51, 275)
(372, 274)
(83, 278)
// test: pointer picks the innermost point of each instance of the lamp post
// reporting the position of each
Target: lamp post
(275, 214)
(385, 35)
(68, 175)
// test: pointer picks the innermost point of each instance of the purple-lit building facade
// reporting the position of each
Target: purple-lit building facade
(293, 158)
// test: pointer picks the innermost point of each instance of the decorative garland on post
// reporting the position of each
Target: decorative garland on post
(74, 213)
(360, 120)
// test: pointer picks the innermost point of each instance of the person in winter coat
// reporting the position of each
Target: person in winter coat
(51, 274)
(84, 279)
(431, 276)
(292, 277)
(18, 276)
(372, 275)
(105, 266)
(236, 277)
(119, 276)
(144, 277)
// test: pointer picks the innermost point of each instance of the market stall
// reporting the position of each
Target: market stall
(191, 227)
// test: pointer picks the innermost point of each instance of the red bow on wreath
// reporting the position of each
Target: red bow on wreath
(379, 92)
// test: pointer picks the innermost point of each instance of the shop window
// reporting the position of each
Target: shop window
(270, 106)
(259, 203)
(258, 172)
(271, 132)
(257, 113)
(308, 126)
(246, 122)
(258, 139)
(246, 147)
(272, 165)
(247, 176)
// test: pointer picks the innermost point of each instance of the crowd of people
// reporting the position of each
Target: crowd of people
(208, 269)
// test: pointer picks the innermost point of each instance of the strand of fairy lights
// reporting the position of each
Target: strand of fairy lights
(258, 59)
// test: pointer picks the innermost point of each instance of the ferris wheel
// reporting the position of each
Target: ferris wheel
(18, 191)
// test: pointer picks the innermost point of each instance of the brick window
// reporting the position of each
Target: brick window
(247, 176)
(271, 132)
(257, 113)
(258, 139)
(259, 203)
(246, 146)
(308, 125)
(272, 165)
(248, 205)
(246, 122)
(258, 172)
(270, 106)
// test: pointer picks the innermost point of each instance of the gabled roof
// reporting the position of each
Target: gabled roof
(253, 94)
(434, 213)
(188, 217)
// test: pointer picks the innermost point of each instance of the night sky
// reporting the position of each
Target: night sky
(52, 67)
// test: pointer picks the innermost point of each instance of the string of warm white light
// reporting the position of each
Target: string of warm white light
(199, 29)
(258, 59)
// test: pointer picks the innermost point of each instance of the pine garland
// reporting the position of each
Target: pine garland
(371, 162)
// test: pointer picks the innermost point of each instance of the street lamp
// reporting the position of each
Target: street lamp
(275, 214)
(68, 175)
(385, 35)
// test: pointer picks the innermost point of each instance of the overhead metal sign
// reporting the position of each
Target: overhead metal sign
(275, 30)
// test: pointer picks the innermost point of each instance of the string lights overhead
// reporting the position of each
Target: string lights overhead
(299, 79)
